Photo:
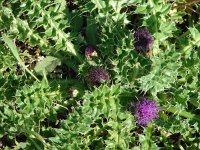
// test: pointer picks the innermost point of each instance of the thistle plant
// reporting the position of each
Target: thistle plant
(49, 103)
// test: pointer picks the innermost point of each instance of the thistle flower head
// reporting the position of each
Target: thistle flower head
(143, 40)
(90, 51)
(145, 111)
(97, 75)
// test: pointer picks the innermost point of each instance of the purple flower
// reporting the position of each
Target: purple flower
(143, 40)
(146, 110)
(90, 51)
(97, 75)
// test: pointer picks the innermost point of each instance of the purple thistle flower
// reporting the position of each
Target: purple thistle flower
(146, 110)
(97, 75)
(143, 40)
(90, 51)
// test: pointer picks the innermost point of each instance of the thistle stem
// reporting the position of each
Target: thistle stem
(183, 113)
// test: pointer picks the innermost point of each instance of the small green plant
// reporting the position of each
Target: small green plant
(99, 74)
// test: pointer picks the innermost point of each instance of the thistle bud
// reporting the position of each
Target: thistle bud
(143, 40)
(98, 75)
(90, 52)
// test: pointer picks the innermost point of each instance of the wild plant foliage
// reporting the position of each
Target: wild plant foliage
(97, 74)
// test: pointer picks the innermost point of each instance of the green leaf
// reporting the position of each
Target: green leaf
(47, 65)
(183, 113)
(142, 9)
(37, 136)
(91, 32)
(165, 8)
(99, 4)
(14, 50)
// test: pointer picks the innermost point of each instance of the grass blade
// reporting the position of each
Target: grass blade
(14, 50)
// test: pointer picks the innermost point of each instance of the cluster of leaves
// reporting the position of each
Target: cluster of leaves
(46, 101)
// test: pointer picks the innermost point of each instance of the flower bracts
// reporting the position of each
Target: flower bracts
(143, 40)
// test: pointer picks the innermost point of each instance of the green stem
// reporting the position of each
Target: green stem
(117, 119)
(36, 135)
(79, 58)
(11, 45)
(188, 31)
(183, 113)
